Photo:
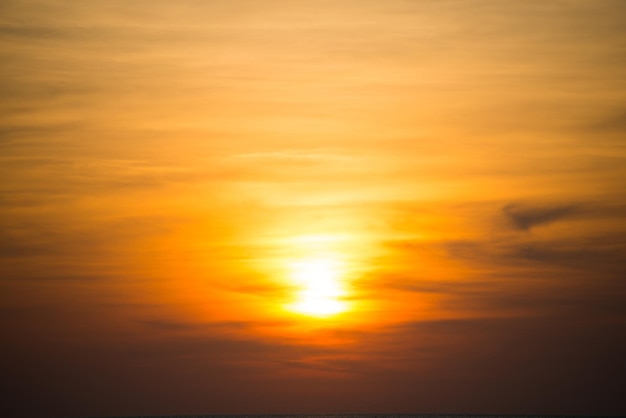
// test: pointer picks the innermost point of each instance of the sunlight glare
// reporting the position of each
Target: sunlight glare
(321, 287)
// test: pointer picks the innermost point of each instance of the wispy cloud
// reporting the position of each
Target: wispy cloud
(525, 219)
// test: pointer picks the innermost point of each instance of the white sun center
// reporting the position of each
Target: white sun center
(321, 287)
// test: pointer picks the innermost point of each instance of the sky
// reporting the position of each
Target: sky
(312, 206)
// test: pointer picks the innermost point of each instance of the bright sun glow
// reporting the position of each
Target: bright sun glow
(321, 287)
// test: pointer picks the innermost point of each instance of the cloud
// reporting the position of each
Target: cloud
(33, 32)
(575, 271)
(610, 130)
(526, 218)
(215, 327)
(600, 252)
(29, 134)
(618, 123)
(53, 249)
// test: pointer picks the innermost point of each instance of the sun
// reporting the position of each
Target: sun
(321, 287)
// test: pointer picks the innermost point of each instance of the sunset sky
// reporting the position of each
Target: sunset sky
(312, 206)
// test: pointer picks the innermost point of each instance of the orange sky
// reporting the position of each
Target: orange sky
(238, 206)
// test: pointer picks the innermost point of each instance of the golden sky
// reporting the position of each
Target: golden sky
(290, 206)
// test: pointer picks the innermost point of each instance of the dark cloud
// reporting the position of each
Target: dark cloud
(575, 272)
(212, 327)
(34, 32)
(526, 218)
(80, 251)
(615, 123)
(516, 351)
(599, 254)
(15, 248)
(174, 363)
(463, 363)
(40, 133)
